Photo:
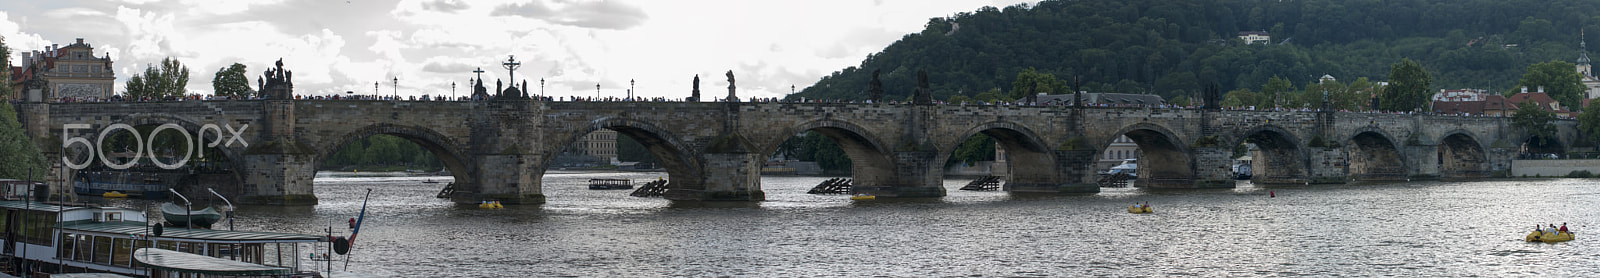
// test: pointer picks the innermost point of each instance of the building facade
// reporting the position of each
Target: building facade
(601, 143)
(1255, 37)
(71, 73)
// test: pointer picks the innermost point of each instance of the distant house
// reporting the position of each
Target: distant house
(1253, 37)
(1544, 101)
(1460, 95)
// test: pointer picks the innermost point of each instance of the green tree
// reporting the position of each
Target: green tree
(1180, 101)
(975, 148)
(167, 81)
(990, 96)
(822, 150)
(631, 151)
(231, 82)
(1408, 89)
(1535, 120)
(18, 155)
(1276, 91)
(1030, 82)
(1558, 79)
(1589, 123)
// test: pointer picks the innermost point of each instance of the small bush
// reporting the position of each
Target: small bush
(1582, 174)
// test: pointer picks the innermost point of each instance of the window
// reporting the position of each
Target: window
(85, 246)
(66, 246)
(102, 249)
(122, 252)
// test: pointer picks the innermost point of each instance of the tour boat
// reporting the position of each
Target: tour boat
(863, 196)
(75, 238)
(1549, 237)
(178, 216)
(145, 183)
(1139, 209)
(604, 184)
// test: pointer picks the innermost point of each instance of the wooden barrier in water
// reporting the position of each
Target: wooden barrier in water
(833, 186)
(985, 183)
(651, 189)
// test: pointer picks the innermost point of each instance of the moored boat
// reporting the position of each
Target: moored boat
(863, 196)
(178, 216)
(114, 194)
(75, 238)
(144, 184)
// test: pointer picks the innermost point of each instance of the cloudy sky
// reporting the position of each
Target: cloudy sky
(334, 46)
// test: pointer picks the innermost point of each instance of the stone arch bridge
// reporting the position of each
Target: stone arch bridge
(499, 150)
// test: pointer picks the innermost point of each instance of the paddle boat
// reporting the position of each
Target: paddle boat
(114, 194)
(1140, 209)
(491, 205)
(863, 196)
(1549, 237)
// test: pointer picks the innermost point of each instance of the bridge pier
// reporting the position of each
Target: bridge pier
(1328, 165)
(1071, 172)
(278, 172)
(731, 176)
(1213, 167)
(915, 175)
(507, 178)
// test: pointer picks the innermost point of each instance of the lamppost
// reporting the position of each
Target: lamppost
(397, 88)
(452, 90)
(596, 91)
(374, 90)
(630, 89)
(541, 86)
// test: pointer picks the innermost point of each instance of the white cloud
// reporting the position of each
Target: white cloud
(338, 46)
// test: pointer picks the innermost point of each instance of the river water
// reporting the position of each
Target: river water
(1430, 228)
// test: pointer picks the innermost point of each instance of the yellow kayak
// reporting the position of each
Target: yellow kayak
(1550, 237)
(1138, 209)
(491, 205)
(863, 197)
(114, 194)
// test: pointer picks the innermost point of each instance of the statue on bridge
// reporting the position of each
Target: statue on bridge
(924, 95)
(731, 96)
(275, 83)
(479, 92)
(875, 88)
(695, 96)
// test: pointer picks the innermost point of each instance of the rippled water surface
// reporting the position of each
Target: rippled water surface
(1430, 228)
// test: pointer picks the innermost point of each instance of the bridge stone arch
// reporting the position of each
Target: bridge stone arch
(684, 169)
(448, 150)
(188, 124)
(1165, 158)
(1462, 155)
(1375, 155)
(1280, 156)
(199, 137)
(1535, 145)
(1030, 161)
(871, 161)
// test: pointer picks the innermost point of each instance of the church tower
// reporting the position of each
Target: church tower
(1583, 58)
(1586, 74)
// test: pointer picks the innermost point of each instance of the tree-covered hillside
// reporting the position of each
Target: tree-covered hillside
(1174, 48)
